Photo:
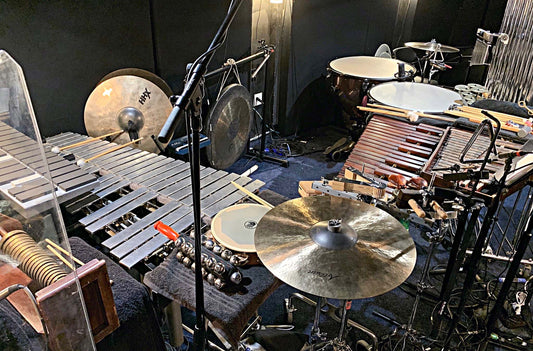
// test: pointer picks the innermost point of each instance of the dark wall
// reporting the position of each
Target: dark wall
(184, 31)
(323, 30)
(454, 22)
(65, 47)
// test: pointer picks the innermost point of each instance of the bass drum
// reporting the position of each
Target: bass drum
(351, 77)
(228, 126)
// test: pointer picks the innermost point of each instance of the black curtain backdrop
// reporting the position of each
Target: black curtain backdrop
(66, 47)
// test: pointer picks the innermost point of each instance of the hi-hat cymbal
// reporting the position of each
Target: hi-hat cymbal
(431, 46)
(366, 255)
(128, 103)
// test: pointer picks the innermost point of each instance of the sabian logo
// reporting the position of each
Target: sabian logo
(329, 276)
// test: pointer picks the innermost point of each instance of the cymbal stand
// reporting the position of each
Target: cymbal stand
(435, 57)
(338, 343)
(317, 340)
(410, 334)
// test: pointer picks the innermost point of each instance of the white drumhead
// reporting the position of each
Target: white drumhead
(371, 67)
(234, 226)
(415, 96)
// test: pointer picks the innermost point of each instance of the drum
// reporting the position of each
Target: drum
(234, 228)
(415, 96)
(351, 77)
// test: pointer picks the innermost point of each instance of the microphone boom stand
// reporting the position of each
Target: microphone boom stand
(190, 101)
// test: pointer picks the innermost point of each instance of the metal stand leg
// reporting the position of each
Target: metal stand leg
(411, 334)
(331, 312)
(175, 329)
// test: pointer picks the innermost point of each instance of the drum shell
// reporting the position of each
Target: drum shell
(350, 90)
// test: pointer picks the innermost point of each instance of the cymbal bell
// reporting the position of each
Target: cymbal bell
(334, 247)
(431, 46)
(129, 103)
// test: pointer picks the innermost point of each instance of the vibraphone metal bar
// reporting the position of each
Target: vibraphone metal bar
(158, 184)
(22, 174)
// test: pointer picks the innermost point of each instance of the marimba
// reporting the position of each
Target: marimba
(23, 174)
(389, 146)
(136, 189)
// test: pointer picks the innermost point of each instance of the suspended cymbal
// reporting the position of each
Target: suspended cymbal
(143, 74)
(127, 103)
(431, 46)
(228, 126)
(370, 254)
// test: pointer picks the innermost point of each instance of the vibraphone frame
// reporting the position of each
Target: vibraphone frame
(143, 178)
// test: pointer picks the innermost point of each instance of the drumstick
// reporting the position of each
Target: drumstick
(81, 161)
(388, 107)
(64, 251)
(56, 149)
(501, 116)
(253, 196)
(410, 115)
(479, 119)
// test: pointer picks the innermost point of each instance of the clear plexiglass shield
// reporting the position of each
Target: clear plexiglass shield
(34, 249)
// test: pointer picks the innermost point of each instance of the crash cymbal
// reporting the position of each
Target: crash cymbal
(143, 74)
(228, 126)
(431, 46)
(234, 226)
(367, 254)
(128, 103)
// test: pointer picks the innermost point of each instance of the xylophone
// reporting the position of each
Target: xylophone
(388, 146)
(136, 189)
(24, 176)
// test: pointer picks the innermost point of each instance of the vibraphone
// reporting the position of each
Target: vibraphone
(388, 146)
(138, 188)
(22, 174)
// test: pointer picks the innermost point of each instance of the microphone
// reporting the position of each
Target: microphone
(513, 154)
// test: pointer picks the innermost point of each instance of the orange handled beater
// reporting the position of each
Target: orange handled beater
(166, 230)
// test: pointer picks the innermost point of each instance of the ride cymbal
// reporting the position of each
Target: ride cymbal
(130, 103)
(431, 46)
(303, 243)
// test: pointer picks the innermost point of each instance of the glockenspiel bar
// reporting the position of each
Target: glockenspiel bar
(118, 213)
(141, 224)
(96, 215)
(145, 235)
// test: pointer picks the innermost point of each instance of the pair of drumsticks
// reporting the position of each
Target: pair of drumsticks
(400, 112)
(82, 161)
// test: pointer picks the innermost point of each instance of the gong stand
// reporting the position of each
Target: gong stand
(189, 104)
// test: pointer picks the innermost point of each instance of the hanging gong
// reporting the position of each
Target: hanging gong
(228, 126)
(130, 103)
